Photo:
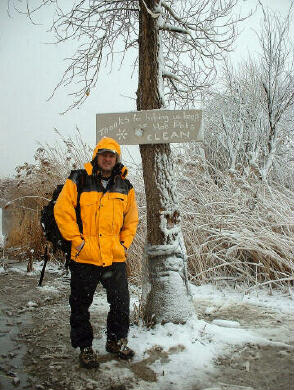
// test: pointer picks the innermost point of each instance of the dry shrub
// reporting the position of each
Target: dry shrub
(236, 228)
(32, 189)
(26, 240)
(135, 253)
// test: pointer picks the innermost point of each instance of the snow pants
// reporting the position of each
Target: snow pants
(84, 281)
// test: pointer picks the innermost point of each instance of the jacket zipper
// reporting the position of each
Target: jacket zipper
(97, 222)
(112, 215)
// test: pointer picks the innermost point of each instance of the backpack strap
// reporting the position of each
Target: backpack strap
(81, 179)
(80, 185)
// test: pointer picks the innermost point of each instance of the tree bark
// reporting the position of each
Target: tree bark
(165, 290)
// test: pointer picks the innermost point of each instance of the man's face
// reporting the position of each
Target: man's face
(106, 161)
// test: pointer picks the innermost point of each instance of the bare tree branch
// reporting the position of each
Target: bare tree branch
(195, 35)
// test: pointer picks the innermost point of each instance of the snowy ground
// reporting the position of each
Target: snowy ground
(1, 236)
(233, 337)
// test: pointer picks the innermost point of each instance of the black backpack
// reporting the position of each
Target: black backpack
(49, 225)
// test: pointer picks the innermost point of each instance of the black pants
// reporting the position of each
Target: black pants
(84, 280)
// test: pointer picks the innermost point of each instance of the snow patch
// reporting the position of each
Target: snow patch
(191, 348)
(220, 296)
(48, 288)
(1, 233)
(226, 323)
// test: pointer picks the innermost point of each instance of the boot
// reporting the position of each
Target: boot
(120, 348)
(88, 358)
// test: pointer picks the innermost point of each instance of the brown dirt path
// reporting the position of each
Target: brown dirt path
(36, 354)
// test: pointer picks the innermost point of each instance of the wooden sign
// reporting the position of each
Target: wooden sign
(151, 126)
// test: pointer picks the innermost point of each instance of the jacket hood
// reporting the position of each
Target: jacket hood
(107, 143)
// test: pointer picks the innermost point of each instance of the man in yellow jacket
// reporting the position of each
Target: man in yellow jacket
(100, 237)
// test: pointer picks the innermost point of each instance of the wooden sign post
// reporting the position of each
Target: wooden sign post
(151, 126)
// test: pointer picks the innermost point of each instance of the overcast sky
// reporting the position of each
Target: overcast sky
(30, 69)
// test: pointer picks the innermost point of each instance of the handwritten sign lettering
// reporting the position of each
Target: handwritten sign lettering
(151, 126)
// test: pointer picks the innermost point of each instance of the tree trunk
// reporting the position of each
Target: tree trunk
(165, 291)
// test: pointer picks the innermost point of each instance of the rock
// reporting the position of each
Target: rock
(247, 366)
(32, 304)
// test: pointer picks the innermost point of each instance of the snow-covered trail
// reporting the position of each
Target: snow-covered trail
(1, 236)
(237, 341)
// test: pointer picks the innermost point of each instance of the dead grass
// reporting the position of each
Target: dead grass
(32, 189)
(237, 229)
(26, 240)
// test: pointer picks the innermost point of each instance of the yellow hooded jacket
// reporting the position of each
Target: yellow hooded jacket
(108, 218)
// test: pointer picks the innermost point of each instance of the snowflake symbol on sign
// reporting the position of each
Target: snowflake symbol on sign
(122, 134)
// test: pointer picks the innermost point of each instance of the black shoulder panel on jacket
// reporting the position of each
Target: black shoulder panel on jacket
(120, 185)
(129, 184)
(90, 183)
(74, 175)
